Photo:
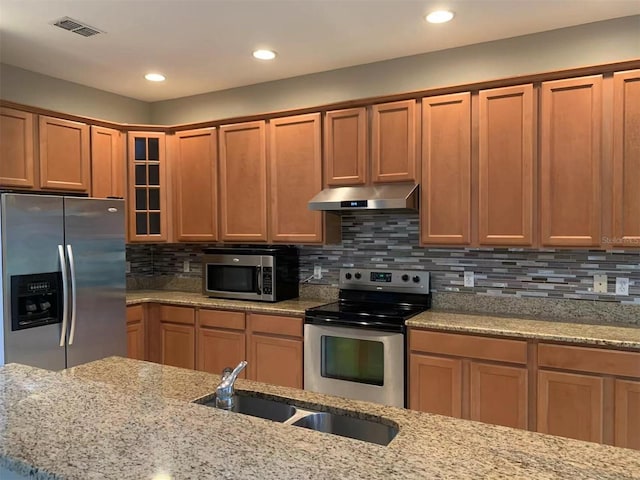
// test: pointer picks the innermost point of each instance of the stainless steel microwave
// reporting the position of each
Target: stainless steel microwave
(267, 274)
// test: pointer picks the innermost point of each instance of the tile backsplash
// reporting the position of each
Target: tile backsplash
(390, 241)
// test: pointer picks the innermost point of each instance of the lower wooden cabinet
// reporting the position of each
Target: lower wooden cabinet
(221, 340)
(436, 384)
(136, 332)
(627, 414)
(178, 336)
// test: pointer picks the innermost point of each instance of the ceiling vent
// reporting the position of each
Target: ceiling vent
(76, 26)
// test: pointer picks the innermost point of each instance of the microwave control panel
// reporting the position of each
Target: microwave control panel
(267, 280)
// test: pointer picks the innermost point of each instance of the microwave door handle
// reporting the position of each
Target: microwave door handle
(259, 280)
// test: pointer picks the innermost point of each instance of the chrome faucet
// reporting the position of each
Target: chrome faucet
(224, 391)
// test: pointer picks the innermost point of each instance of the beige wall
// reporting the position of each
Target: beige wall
(30, 88)
(601, 42)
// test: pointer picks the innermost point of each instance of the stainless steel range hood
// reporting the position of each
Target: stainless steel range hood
(378, 197)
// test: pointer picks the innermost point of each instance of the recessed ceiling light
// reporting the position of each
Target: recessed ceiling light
(439, 16)
(155, 77)
(264, 54)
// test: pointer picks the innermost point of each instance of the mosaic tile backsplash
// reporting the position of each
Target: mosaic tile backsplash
(390, 240)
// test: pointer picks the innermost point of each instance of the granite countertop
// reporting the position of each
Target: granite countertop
(125, 419)
(624, 337)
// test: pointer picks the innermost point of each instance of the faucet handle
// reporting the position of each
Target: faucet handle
(225, 391)
(225, 373)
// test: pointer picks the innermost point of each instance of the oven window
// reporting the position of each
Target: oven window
(353, 360)
(223, 278)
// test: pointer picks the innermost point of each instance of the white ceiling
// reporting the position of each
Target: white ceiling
(206, 45)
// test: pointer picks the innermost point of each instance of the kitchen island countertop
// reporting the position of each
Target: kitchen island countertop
(128, 419)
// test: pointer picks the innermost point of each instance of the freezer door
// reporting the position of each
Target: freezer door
(31, 228)
(95, 244)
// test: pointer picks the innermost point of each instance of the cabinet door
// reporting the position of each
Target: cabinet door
(135, 332)
(275, 360)
(147, 187)
(393, 137)
(498, 395)
(345, 147)
(17, 166)
(218, 349)
(506, 166)
(570, 162)
(296, 176)
(435, 385)
(570, 405)
(627, 414)
(243, 182)
(445, 197)
(64, 155)
(626, 159)
(178, 345)
(107, 163)
(196, 187)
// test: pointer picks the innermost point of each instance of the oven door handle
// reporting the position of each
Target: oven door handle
(337, 322)
(259, 280)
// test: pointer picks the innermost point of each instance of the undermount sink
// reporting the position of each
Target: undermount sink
(336, 424)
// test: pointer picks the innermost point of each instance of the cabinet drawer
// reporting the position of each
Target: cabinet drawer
(275, 324)
(221, 319)
(135, 313)
(495, 349)
(173, 314)
(593, 360)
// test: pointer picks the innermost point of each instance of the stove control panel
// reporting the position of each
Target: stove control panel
(410, 281)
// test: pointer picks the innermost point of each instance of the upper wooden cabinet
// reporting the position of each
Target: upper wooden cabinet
(393, 142)
(296, 176)
(64, 155)
(107, 163)
(506, 166)
(346, 147)
(195, 182)
(243, 182)
(570, 162)
(17, 162)
(445, 197)
(147, 187)
(626, 159)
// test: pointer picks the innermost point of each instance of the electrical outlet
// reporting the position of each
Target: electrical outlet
(600, 284)
(186, 266)
(127, 267)
(468, 279)
(317, 272)
(622, 286)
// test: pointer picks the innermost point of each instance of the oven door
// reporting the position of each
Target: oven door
(235, 276)
(355, 363)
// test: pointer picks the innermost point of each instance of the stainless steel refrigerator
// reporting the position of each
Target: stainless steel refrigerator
(63, 280)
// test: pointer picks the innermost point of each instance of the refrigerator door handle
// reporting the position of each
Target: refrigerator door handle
(65, 294)
(72, 269)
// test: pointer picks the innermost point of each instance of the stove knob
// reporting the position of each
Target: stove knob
(405, 278)
(416, 279)
(348, 276)
(358, 276)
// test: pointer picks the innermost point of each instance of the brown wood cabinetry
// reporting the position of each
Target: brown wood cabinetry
(274, 349)
(147, 187)
(626, 159)
(589, 394)
(17, 160)
(465, 376)
(195, 206)
(177, 330)
(570, 162)
(136, 337)
(506, 166)
(243, 182)
(296, 176)
(221, 340)
(346, 153)
(445, 198)
(64, 155)
(107, 163)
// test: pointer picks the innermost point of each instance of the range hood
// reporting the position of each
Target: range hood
(378, 197)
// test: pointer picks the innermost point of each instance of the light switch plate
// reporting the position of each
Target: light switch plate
(600, 284)
(469, 279)
(127, 267)
(317, 272)
(622, 286)
(186, 266)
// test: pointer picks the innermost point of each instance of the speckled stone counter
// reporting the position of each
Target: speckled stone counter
(126, 419)
(627, 337)
(294, 307)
